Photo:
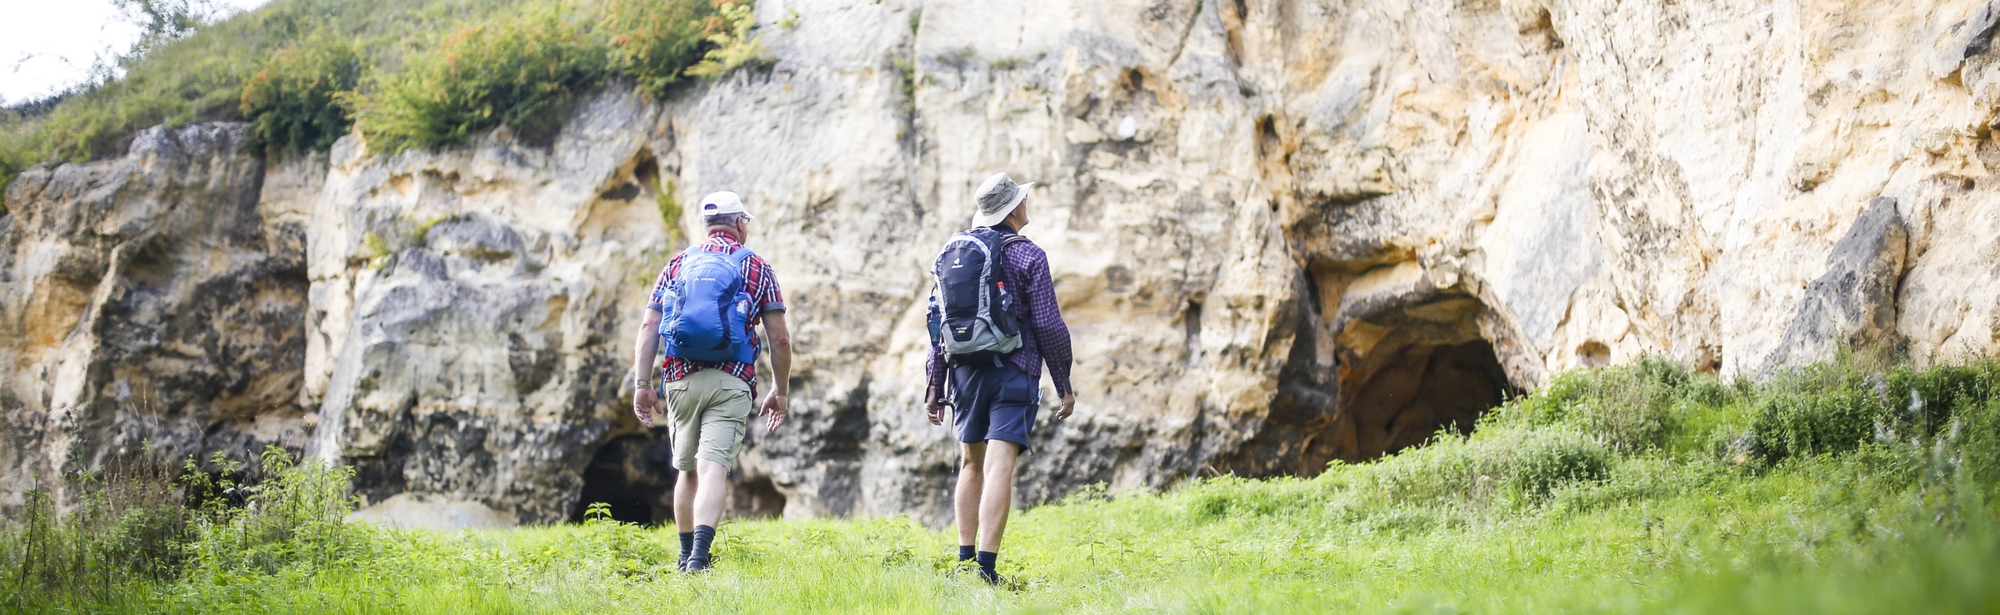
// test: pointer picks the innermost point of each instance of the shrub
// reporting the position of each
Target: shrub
(655, 40)
(295, 516)
(1634, 407)
(734, 48)
(1510, 464)
(518, 73)
(1819, 410)
(17, 151)
(291, 102)
(192, 79)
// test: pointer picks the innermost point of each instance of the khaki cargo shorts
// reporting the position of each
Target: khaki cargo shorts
(706, 413)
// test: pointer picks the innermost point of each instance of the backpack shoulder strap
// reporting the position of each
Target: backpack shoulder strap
(1008, 240)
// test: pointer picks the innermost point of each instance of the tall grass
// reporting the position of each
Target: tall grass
(126, 525)
(142, 524)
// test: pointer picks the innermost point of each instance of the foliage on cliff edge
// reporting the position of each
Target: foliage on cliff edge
(414, 73)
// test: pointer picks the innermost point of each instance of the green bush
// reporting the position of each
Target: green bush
(295, 517)
(1633, 407)
(519, 72)
(188, 80)
(292, 101)
(1508, 464)
(17, 151)
(1833, 408)
(655, 40)
(733, 46)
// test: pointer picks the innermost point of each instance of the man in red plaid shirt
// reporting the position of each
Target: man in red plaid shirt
(708, 403)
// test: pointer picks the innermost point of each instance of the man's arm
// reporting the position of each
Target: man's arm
(934, 385)
(1051, 335)
(776, 404)
(648, 349)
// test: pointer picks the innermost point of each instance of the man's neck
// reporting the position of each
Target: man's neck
(723, 231)
(1005, 228)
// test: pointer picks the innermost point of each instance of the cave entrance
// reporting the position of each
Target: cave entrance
(755, 497)
(1381, 362)
(1409, 366)
(1421, 388)
(634, 475)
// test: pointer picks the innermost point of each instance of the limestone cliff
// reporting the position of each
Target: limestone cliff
(1284, 232)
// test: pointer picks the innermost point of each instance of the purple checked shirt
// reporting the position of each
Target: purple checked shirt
(1045, 339)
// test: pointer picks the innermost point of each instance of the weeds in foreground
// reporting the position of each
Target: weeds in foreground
(126, 523)
(143, 523)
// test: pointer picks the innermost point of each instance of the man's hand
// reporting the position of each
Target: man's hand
(1068, 406)
(935, 411)
(643, 404)
(774, 411)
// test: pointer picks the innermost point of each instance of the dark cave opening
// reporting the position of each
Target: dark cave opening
(634, 475)
(756, 497)
(1408, 365)
(1375, 368)
(1421, 388)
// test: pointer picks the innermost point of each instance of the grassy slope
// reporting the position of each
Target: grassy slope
(199, 78)
(406, 73)
(1620, 491)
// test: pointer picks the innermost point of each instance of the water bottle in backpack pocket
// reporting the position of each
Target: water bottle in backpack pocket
(973, 314)
(708, 309)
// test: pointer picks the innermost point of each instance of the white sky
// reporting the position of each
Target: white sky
(48, 45)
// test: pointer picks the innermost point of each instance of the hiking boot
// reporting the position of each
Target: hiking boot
(991, 578)
(695, 566)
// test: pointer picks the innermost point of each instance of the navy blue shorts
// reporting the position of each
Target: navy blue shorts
(993, 403)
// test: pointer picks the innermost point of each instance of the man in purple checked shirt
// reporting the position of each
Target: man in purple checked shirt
(995, 404)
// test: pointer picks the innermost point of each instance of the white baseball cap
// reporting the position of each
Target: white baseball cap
(723, 202)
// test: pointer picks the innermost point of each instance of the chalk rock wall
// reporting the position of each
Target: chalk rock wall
(467, 349)
(149, 305)
(1284, 233)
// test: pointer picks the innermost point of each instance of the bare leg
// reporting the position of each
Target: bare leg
(684, 492)
(966, 501)
(709, 494)
(998, 498)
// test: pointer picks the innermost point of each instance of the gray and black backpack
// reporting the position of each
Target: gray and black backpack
(972, 315)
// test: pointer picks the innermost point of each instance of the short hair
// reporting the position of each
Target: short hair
(728, 219)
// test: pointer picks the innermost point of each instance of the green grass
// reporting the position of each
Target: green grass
(1646, 488)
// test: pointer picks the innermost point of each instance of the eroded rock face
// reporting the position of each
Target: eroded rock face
(1852, 305)
(1284, 233)
(148, 300)
(469, 334)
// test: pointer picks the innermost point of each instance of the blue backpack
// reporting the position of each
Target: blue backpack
(708, 309)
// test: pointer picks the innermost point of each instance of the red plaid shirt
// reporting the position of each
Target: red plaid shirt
(762, 285)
